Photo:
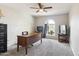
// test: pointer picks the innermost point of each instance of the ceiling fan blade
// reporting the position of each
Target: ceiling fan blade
(47, 7)
(40, 5)
(37, 11)
(34, 7)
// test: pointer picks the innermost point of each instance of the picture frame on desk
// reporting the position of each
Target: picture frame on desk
(24, 33)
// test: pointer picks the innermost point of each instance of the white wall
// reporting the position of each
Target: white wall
(59, 20)
(74, 24)
(16, 22)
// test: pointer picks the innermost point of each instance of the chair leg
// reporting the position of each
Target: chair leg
(31, 44)
(41, 40)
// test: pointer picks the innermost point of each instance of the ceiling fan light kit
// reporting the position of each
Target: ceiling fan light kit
(41, 10)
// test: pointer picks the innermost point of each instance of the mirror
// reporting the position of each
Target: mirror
(63, 29)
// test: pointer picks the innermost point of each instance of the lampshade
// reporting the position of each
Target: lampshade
(1, 13)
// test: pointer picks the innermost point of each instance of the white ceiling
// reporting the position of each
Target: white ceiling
(58, 8)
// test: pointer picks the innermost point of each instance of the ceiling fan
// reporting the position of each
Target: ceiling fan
(41, 8)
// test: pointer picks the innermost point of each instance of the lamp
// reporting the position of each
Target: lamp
(1, 13)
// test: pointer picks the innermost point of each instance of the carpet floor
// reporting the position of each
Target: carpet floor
(49, 47)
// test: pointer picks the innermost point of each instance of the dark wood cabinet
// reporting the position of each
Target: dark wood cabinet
(3, 38)
(63, 38)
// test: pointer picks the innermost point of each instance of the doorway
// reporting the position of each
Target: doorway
(50, 29)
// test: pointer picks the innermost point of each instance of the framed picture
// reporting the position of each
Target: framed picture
(24, 33)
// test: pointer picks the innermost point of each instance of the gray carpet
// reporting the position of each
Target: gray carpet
(49, 47)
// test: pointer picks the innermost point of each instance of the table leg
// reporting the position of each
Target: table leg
(26, 49)
(17, 47)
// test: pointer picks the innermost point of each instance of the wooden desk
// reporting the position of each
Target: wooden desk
(25, 40)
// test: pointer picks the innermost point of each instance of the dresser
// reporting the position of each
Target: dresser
(63, 38)
(25, 40)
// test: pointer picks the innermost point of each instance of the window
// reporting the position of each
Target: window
(51, 28)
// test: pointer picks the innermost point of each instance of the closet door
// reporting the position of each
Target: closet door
(3, 38)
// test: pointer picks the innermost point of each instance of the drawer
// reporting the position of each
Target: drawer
(33, 39)
(22, 41)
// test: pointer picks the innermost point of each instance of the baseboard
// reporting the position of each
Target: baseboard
(73, 52)
(12, 46)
